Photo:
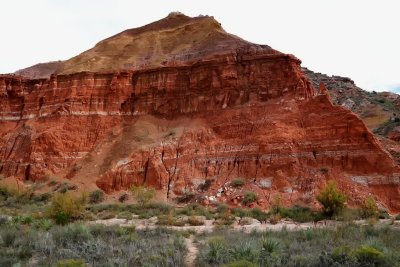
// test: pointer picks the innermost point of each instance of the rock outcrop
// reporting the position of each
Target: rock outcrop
(188, 127)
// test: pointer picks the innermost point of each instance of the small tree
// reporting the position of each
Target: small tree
(142, 194)
(65, 207)
(370, 208)
(248, 198)
(276, 207)
(332, 199)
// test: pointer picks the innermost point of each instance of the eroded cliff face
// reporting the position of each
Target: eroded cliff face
(185, 107)
(191, 130)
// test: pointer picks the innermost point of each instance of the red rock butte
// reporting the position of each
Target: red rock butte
(185, 107)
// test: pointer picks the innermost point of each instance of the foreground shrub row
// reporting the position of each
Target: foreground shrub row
(349, 245)
(80, 245)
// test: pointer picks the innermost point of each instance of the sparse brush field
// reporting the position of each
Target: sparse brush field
(78, 244)
(63, 229)
(39, 242)
(348, 245)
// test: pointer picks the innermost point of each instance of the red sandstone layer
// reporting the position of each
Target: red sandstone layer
(243, 114)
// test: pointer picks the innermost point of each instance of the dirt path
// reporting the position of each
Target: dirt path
(192, 252)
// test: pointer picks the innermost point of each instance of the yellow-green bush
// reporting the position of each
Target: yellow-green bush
(65, 207)
(332, 199)
(143, 194)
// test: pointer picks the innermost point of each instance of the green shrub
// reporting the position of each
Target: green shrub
(71, 263)
(241, 263)
(23, 219)
(383, 214)
(125, 215)
(248, 198)
(299, 214)
(8, 236)
(245, 251)
(369, 208)
(65, 208)
(270, 245)
(222, 208)
(4, 219)
(270, 249)
(332, 199)
(106, 215)
(124, 197)
(96, 196)
(258, 214)
(195, 221)
(238, 182)
(142, 194)
(238, 212)
(217, 250)
(276, 207)
(74, 233)
(186, 198)
(275, 218)
(369, 256)
(195, 209)
(43, 224)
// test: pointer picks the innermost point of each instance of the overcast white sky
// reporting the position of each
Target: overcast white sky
(359, 39)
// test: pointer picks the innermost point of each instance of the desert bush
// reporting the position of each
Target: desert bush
(300, 214)
(96, 197)
(237, 182)
(185, 198)
(241, 263)
(245, 250)
(123, 197)
(258, 214)
(383, 214)
(195, 209)
(105, 215)
(369, 256)
(169, 220)
(248, 198)
(65, 207)
(217, 251)
(239, 212)
(369, 208)
(222, 208)
(4, 219)
(142, 194)
(207, 184)
(125, 215)
(41, 197)
(269, 253)
(276, 207)
(195, 221)
(245, 221)
(43, 224)
(332, 199)
(225, 219)
(74, 233)
(71, 263)
(8, 236)
(275, 218)
(349, 214)
(23, 219)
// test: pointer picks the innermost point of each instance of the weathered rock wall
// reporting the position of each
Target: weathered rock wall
(256, 117)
